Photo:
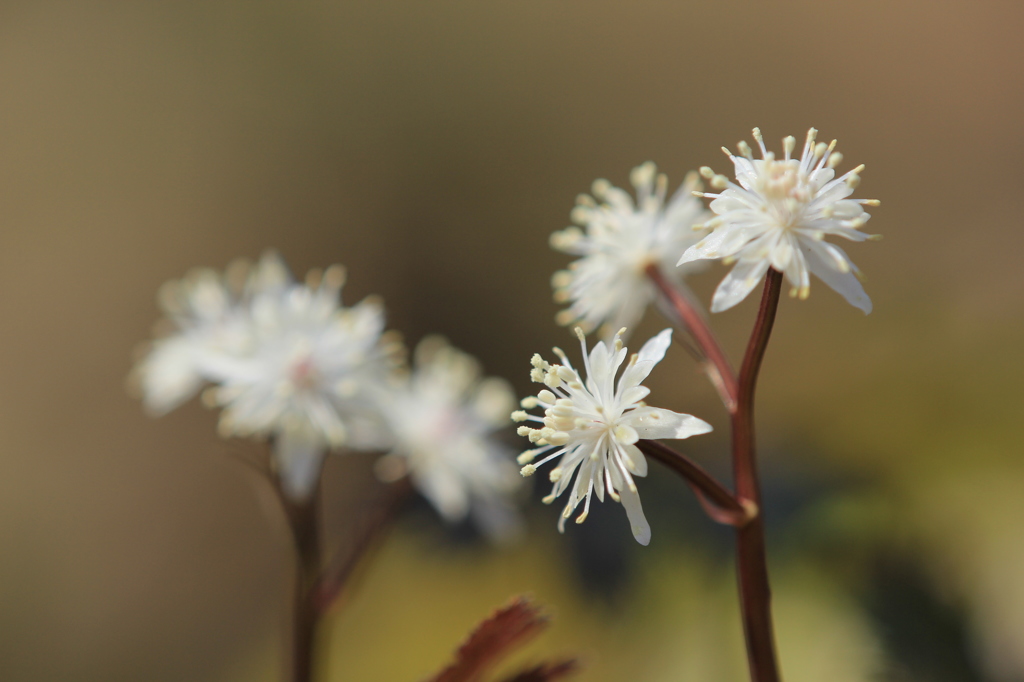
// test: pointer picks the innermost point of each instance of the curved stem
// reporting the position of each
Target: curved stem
(720, 504)
(751, 560)
(716, 364)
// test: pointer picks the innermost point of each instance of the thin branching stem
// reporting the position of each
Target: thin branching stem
(719, 503)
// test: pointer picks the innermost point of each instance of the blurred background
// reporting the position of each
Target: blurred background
(432, 147)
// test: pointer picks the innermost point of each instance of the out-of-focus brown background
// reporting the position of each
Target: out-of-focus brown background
(432, 147)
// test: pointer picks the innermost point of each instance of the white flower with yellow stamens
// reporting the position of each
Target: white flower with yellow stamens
(593, 426)
(778, 216)
(607, 286)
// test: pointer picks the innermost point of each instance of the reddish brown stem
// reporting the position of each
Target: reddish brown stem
(719, 370)
(751, 560)
(304, 522)
(720, 504)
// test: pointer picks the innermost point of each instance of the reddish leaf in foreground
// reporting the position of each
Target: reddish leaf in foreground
(492, 639)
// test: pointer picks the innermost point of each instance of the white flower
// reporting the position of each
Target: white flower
(593, 426)
(287, 360)
(206, 321)
(442, 417)
(607, 286)
(778, 216)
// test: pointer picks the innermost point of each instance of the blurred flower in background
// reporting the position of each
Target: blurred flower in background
(286, 359)
(608, 285)
(442, 417)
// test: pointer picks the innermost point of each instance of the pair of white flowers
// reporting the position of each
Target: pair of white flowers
(286, 361)
(775, 215)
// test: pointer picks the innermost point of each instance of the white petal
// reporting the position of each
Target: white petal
(819, 261)
(169, 375)
(651, 354)
(746, 173)
(637, 521)
(601, 373)
(633, 394)
(822, 177)
(728, 202)
(653, 423)
(782, 254)
(446, 492)
(737, 284)
(626, 434)
(299, 457)
(654, 350)
(636, 462)
(718, 244)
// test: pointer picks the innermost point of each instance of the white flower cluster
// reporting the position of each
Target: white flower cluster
(608, 286)
(777, 216)
(287, 361)
(593, 425)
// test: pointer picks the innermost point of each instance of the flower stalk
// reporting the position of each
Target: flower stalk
(739, 509)
(719, 503)
(304, 523)
(751, 560)
(715, 363)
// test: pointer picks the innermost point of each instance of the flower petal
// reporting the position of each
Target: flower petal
(654, 423)
(651, 354)
(846, 284)
(654, 350)
(737, 284)
(637, 521)
(635, 460)
(299, 455)
(720, 243)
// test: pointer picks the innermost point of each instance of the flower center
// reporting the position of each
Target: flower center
(303, 374)
(786, 187)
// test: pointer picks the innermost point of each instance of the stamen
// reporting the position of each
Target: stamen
(760, 142)
(788, 145)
